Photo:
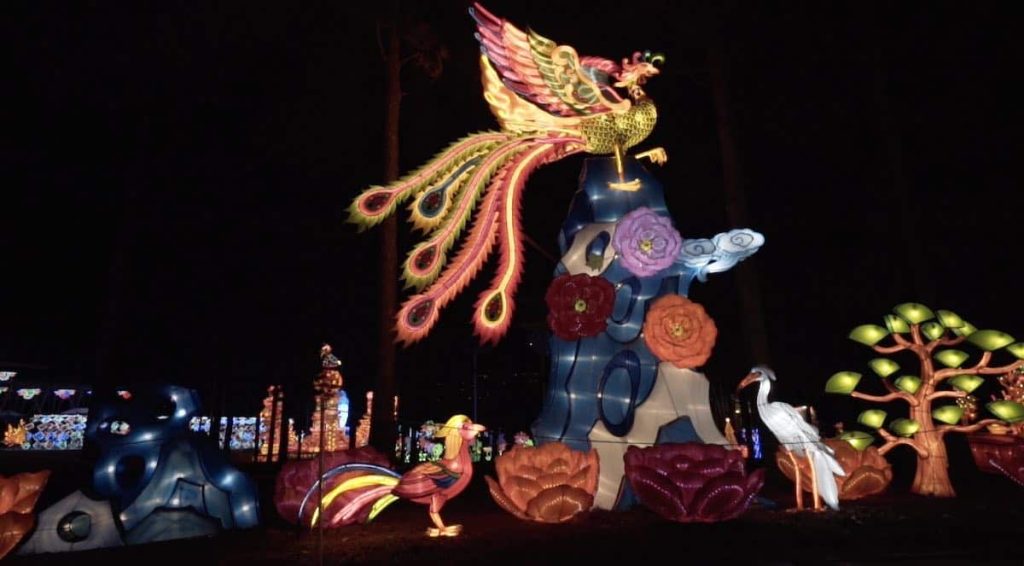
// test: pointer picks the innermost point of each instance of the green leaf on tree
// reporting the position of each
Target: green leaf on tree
(858, 439)
(1016, 349)
(949, 414)
(908, 383)
(950, 319)
(933, 330)
(904, 427)
(896, 325)
(915, 313)
(966, 330)
(873, 418)
(990, 340)
(952, 358)
(966, 382)
(868, 334)
(1009, 411)
(843, 382)
(884, 367)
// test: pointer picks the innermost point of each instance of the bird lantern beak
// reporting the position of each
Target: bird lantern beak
(478, 427)
(751, 378)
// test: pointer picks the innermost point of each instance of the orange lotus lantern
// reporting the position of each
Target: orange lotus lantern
(551, 483)
(867, 472)
(18, 496)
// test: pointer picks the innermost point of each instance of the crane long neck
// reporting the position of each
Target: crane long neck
(762, 392)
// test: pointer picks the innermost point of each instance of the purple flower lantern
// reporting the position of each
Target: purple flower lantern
(646, 242)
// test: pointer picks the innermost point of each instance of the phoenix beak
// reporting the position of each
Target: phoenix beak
(752, 377)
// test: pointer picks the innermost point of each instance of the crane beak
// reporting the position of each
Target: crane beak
(478, 428)
(752, 377)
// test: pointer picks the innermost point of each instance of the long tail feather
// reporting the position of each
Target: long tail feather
(384, 483)
(420, 312)
(377, 203)
(430, 208)
(828, 489)
(425, 261)
(495, 306)
(373, 496)
(351, 468)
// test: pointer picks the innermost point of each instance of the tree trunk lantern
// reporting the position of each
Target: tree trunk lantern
(945, 376)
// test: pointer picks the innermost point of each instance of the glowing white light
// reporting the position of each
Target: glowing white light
(180, 413)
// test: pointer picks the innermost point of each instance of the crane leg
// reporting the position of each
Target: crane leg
(796, 474)
(814, 484)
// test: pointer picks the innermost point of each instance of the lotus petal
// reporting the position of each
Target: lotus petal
(867, 472)
(559, 504)
(502, 499)
(18, 496)
(13, 526)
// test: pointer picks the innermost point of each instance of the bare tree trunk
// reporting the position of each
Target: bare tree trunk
(751, 309)
(382, 429)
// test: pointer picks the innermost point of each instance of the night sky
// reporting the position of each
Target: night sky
(176, 177)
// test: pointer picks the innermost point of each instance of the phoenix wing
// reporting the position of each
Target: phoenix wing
(550, 76)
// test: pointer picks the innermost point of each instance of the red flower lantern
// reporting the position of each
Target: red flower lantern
(579, 305)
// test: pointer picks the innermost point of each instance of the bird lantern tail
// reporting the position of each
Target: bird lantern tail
(825, 467)
(377, 493)
(480, 177)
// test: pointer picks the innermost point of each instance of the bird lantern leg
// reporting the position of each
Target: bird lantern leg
(442, 530)
(796, 475)
(619, 156)
(814, 484)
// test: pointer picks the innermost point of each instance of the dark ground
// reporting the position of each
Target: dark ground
(984, 524)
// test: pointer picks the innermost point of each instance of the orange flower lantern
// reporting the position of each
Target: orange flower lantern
(867, 472)
(551, 483)
(679, 331)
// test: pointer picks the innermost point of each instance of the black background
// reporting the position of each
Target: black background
(177, 174)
